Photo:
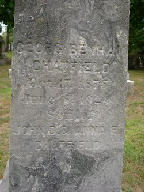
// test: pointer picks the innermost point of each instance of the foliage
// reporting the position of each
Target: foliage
(11, 36)
(7, 12)
(137, 25)
(0, 28)
(136, 37)
(9, 54)
(7, 17)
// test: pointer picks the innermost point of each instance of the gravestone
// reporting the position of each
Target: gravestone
(130, 86)
(69, 83)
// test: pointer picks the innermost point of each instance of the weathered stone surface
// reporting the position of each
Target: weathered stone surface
(69, 87)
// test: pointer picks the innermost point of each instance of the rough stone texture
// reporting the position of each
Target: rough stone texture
(69, 87)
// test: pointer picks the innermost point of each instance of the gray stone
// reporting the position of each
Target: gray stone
(130, 86)
(69, 88)
(128, 76)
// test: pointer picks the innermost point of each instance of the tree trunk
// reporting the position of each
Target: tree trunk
(7, 39)
(0, 50)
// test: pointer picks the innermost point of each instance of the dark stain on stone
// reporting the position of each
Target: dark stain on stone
(82, 162)
(46, 173)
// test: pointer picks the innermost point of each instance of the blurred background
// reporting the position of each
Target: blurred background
(133, 171)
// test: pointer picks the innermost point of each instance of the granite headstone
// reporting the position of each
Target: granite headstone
(69, 83)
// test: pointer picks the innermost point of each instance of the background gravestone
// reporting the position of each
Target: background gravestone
(69, 87)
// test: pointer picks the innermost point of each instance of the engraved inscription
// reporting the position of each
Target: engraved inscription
(68, 95)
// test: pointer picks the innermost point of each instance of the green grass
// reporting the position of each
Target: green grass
(5, 92)
(9, 55)
(5, 89)
(133, 171)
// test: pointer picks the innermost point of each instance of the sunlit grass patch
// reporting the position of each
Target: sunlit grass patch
(5, 92)
(4, 146)
(133, 171)
(9, 54)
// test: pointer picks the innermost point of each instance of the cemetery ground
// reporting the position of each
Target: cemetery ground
(133, 172)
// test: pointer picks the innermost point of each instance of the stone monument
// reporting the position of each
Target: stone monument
(69, 83)
(130, 86)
